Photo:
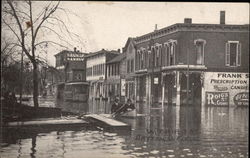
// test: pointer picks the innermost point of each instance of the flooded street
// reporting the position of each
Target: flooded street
(187, 131)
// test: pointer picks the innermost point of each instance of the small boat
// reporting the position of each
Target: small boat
(130, 113)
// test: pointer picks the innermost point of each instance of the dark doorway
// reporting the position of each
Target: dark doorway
(194, 92)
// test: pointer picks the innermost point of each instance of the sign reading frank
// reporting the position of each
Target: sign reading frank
(226, 87)
(217, 98)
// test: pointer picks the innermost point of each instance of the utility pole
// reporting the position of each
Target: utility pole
(188, 76)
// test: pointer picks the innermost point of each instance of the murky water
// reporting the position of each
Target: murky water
(187, 131)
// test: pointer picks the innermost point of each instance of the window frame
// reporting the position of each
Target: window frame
(238, 54)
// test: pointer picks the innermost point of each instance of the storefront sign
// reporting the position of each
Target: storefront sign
(217, 98)
(233, 83)
(156, 80)
(241, 98)
(123, 87)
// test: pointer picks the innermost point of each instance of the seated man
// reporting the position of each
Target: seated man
(115, 106)
(124, 108)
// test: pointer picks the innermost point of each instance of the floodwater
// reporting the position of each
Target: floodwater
(186, 131)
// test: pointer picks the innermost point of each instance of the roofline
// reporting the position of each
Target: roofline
(102, 52)
(177, 26)
(65, 51)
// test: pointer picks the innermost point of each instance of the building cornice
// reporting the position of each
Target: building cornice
(191, 27)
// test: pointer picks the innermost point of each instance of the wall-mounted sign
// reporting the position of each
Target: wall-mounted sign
(241, 98)
(217, 98)
(233, 83)
(123, 87)
(156, 80)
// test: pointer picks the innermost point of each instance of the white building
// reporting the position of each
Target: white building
(97, 70)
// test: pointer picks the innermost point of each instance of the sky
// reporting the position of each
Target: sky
(109, 24)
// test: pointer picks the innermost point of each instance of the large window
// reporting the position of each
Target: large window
(170, 50)
(200, 44)
(233, 53)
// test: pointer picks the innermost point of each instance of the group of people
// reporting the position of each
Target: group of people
(118, 108)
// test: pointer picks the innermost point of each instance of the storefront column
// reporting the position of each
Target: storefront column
(178, 89)
(135, 89)
(163, 96)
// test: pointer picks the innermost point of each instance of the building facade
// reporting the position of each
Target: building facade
(115, 85)
(96, 72)
(129, 50)
(71, 66)
(172, 64)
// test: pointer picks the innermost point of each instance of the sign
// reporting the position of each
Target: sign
(123, 87)
(217, 98)
(156, 80)
(234, 83)
(241, 98)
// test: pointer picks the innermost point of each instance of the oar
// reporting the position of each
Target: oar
(116, 112)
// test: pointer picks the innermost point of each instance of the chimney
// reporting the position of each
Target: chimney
(74, 49)
(222, 17)
(187, 21)
(156, 27)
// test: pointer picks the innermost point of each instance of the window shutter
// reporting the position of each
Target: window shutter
(227, 55)
(239, 55)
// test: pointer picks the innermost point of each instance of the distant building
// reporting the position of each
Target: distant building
(129, 50)
(202, 55)
(115, 81)
(72, 65)
(97, 72)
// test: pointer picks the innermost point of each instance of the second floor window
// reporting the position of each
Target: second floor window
(233, 53)
(200, 44)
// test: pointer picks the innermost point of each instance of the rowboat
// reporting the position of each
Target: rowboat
(130, 113)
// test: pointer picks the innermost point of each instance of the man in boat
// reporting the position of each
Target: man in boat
(115, 106)
(129, 106)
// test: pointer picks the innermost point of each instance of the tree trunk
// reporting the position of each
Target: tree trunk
(35, 85)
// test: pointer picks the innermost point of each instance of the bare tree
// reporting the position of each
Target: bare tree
(31, 26)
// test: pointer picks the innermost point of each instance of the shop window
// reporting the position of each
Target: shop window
(233, 53)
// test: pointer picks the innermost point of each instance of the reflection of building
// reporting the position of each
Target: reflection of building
(97, 71)
(168, 58)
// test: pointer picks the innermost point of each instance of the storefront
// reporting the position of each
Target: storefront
(225, 89)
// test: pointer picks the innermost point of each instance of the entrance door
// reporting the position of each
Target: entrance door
(194, 92)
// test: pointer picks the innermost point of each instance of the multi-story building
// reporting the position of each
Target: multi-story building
(115, 81)
(129, 50)
(195, 61)
(71, 66)
(97, 72)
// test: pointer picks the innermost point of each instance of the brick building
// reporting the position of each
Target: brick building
(129, 51)
(169, 58)
(115, 76)
(71, 66)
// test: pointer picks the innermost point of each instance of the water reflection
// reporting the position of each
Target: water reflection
(185, 131)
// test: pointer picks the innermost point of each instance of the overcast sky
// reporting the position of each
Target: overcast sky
(108, 25)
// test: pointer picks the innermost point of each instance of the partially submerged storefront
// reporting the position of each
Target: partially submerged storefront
(225, 89)
(175, 87)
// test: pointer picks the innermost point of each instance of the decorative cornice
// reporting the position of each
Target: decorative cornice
(191, 27)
